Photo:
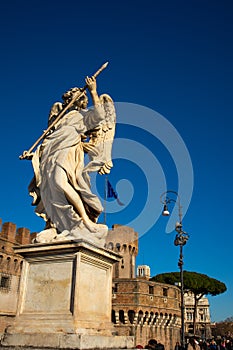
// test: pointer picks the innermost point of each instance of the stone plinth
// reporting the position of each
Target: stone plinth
(65, 298)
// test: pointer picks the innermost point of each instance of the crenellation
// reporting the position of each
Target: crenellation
(9, 231)
(23, 236)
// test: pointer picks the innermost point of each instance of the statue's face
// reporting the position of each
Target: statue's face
(82, 102)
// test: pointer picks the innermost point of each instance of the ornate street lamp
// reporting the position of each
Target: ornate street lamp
(181, 239)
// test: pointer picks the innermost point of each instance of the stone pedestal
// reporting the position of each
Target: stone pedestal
(65, 298)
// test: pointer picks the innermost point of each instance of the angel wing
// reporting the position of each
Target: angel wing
(99, 145)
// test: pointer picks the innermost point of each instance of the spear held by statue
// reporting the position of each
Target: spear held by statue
(76, 96)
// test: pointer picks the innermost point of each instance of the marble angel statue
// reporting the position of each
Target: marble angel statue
(61, 187)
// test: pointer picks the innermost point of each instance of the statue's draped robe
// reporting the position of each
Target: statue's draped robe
(64, 148)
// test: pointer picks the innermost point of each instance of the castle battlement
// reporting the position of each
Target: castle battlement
(10, 233)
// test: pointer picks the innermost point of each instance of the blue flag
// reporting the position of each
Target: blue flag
(111, 193)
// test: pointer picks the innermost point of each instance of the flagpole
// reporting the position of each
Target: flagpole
(105, 199)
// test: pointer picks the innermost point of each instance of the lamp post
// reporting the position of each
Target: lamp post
(180, 240)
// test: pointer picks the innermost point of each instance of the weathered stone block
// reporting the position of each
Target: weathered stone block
(65, 298)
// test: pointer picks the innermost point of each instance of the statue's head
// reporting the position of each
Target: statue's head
(81, 102)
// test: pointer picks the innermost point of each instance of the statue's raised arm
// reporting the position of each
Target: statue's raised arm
(61, 186)
(79, 94)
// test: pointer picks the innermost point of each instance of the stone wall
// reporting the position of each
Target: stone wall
(146, 310)
(10, 270)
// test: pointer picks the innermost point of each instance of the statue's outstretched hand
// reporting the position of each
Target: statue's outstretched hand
(106, 168)
(91, 83)
(26, 155)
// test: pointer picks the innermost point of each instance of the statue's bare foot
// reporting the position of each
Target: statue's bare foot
(92, 226)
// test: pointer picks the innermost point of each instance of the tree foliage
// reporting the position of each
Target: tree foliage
(195, 282)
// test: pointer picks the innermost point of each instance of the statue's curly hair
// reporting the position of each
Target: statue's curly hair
(68, 95)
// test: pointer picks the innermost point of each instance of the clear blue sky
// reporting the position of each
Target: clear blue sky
(171, 57)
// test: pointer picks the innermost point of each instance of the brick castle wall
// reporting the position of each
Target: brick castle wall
(10, 270)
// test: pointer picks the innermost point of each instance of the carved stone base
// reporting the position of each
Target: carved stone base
(68, 341)
(65, 298)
